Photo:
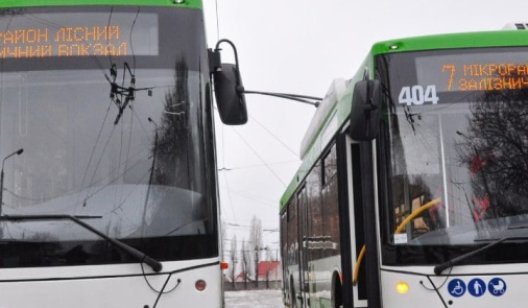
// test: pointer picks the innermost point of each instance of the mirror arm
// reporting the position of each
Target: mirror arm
(215, 61)
(235, 52)
(311, 100)
(370, 106)
(228, 87)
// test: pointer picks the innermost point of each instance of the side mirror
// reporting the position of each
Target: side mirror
(365, 113)
(229, 94)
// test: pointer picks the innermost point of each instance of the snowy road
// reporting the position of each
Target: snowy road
(253, 299)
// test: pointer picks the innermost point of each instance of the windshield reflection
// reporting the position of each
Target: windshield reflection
(473, 155)
(145, 178)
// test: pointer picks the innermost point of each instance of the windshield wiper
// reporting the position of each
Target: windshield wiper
(138, 255)
(450, 263)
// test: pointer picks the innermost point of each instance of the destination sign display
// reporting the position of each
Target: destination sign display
(474, 72)
(80, 35)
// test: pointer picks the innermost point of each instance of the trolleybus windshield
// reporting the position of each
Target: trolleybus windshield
(110, 106)
(457, 135)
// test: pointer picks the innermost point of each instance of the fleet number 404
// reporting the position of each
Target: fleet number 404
(418, 95)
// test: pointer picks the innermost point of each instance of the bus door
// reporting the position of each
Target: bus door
(303, 228)
(293, 248)
(357, 238)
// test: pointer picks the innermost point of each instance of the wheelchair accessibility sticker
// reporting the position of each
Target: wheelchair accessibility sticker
(456, 287)
(476, 287)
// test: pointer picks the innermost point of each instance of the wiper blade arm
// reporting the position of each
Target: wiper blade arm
(45, 217)
(450, 263)
(138, 255)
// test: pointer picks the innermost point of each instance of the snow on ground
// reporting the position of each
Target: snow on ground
(253, 299)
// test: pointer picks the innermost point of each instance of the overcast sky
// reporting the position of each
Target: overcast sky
(300, 46)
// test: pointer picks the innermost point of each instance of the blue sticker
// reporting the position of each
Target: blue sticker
(476, 287)
(497, 287)
(456, 287)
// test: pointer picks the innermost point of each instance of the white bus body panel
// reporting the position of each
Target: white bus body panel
(321, 275)
(422, 294)
(110, 286)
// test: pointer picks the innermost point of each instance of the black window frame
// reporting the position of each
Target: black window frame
(409, 255)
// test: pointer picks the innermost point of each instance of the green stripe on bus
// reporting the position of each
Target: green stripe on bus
(193, 4)
(504, 38)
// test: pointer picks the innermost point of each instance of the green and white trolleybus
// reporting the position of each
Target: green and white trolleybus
(413, 191)
(108, 191)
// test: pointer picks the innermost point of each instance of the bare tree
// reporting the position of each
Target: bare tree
(172, 148)
(245, 258)
(496, 153)
(255, 243)
(269, 262)
(233, 256)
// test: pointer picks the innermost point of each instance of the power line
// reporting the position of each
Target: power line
(246, 226)
(238, 241)
(274, 243)
(258, 165)
(217, 22)
(257, 200)
(274, 251)
(260, 158)
(296, 155)
(252, 195)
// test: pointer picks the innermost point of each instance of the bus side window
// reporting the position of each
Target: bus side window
(314, 208)
(329, 166)
(329, 202)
